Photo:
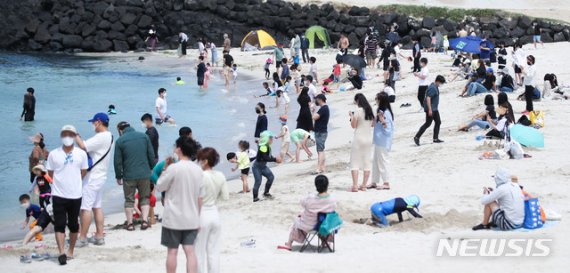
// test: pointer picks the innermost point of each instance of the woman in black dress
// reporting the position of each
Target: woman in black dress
(305, 119)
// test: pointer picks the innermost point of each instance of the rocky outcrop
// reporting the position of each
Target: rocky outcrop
(121, 25)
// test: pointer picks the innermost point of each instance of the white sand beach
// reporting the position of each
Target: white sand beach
(448, 178)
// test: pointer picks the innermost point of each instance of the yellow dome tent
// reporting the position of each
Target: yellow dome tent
(257, 40)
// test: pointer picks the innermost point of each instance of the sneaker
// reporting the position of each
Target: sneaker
(256, 199)
(81, 243)
(62, 259)
(96, 241)
(417, 141)
(268, 196)
(437, 141)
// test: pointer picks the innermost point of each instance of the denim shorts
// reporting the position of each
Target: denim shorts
(320, 139)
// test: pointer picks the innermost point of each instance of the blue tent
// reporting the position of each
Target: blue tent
(469, 44)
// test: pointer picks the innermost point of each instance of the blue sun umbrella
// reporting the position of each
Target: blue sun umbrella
(469, 44)
(527, 136)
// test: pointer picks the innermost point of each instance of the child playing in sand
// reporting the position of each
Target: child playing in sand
(337, 71)
(397, 205)
(242, 163)
(268, 63)
(45, 218)
(32, 210)
(286, 136)
(268, 90)
(300, 138)
(41, 185)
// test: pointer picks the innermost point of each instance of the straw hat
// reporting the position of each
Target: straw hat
(39, 167)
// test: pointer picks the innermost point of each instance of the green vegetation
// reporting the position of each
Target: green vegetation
(437, 12)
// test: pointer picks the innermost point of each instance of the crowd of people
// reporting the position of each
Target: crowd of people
(69, 179)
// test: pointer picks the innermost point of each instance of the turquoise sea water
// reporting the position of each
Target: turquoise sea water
(70, 89)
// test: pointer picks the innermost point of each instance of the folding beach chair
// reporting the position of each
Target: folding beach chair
(324, 241)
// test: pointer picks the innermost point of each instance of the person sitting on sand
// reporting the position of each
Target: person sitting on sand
(380, 210)
(300, 138)
(504, 206)
(484, 118)
(322, 202)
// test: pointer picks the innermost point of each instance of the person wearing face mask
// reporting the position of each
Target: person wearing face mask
(98, 148)
(261, 124)
(133, 163)
(208, 242)
(67, 165)
(152, 134)
(183, 183)
(161, 107)
(32, 211)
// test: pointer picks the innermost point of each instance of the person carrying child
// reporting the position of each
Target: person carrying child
(42, 185)
(286, 136)
(32, 210)
(242, 162)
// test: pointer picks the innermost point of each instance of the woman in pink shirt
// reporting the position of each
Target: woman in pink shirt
(312, 206)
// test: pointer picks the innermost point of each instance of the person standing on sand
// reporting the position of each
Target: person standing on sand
(519, 61)
(133, 162)
(161, 107)
(431, 103)
(279, 55)
(321, 118)
(423, 81)
(362, 121)
(305, 48)
(152, 38)
(183, 184)
(208, 242)
(201, 72)
(304, 119)
(260, 168)
(39, 154)
(383, 134)
(98, 148)
(536, 37)
(529, 73)
(29, 108)
(183, 41)
(67, 166)
(343, 44)
(416, 54)
(227, 43)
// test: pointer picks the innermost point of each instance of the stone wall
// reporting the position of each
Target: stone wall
(121, 25)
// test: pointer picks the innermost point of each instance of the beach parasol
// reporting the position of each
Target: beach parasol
(527, 136)
(354, 61)
(469, 44)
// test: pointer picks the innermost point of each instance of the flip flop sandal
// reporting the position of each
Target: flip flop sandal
(284, 248)
(144, 225)
(372, 186)
(130, 227)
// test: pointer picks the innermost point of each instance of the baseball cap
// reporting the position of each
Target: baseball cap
(321, 97)
(100, 117)
(69, 128)
(489, 70)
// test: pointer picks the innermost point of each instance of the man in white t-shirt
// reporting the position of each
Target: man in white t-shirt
(312, 89)
(98, 149)
(423, 81)
(67, 166)
(161, 108)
